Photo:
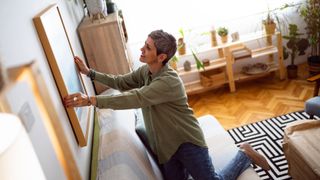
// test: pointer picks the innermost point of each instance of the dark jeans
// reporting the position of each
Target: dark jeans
(195, 160)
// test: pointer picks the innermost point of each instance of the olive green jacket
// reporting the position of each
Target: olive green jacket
(169, 120)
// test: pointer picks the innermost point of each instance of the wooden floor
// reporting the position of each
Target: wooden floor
(254, 100)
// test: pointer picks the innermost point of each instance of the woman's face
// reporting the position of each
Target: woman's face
(149, 52)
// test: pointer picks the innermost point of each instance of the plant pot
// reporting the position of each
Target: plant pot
(314, 65)
(213, 38)
(292, 71)
(224, 39)
(173, 64)
(181, 46)
(270, 28)
(206, 62)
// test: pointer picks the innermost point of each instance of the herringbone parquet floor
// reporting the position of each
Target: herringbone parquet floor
(254, 100)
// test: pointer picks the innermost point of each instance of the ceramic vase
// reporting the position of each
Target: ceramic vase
(97, 8)
(213, 38)
(187, 65)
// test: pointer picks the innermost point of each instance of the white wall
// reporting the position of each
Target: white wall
(20, 44)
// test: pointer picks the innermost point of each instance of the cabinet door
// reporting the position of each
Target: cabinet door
(105, 47)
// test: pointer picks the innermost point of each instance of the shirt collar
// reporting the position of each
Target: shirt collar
(153, 76)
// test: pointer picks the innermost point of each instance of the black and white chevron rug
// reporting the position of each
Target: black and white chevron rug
(266, 137)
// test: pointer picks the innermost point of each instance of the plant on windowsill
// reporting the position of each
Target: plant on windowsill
(296, 46)
(181, 43)
(223, 33)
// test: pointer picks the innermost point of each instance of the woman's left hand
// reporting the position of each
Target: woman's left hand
(76, 100)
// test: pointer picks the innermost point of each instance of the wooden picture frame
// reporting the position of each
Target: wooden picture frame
(36, 111)
(55, 42)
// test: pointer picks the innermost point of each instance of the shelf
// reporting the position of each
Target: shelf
(243, 39)
(241, 52)
(196, 87)
(264, 51)
(242, 76)
(235, 51)
(215, 63)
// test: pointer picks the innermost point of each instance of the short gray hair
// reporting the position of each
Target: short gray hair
(165, 43)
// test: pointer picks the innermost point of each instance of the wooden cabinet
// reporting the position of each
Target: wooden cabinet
(227, 57)
(105, 47)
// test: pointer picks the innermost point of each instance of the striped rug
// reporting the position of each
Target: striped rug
(266, 137)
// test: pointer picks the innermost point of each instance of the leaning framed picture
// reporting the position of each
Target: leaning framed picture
(25, 94)
(55, 42)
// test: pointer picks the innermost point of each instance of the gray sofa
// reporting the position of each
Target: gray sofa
(119, 153)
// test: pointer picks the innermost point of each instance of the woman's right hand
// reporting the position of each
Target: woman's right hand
(83, 68)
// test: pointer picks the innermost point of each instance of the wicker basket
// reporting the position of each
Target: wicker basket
(212, 77)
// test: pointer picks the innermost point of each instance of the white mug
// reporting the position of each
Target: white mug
(235, 36)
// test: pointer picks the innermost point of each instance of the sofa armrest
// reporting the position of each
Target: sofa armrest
(221, 146)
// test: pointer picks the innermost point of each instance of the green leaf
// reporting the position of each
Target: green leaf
(181, 32)
(174, 59)
(222, 31)
(286, 37)
(198, 62)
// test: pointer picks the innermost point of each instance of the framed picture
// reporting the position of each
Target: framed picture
(55, 42)
(26, 95)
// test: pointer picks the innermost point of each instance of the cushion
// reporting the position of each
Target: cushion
(312, 106)
(121, 153)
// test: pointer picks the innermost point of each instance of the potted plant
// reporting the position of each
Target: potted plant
(269, 24)
(295, 46)
(310, 12)
(276, 19)
(198, 61)
(181, 43)
(173, 62)
(223, 33)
